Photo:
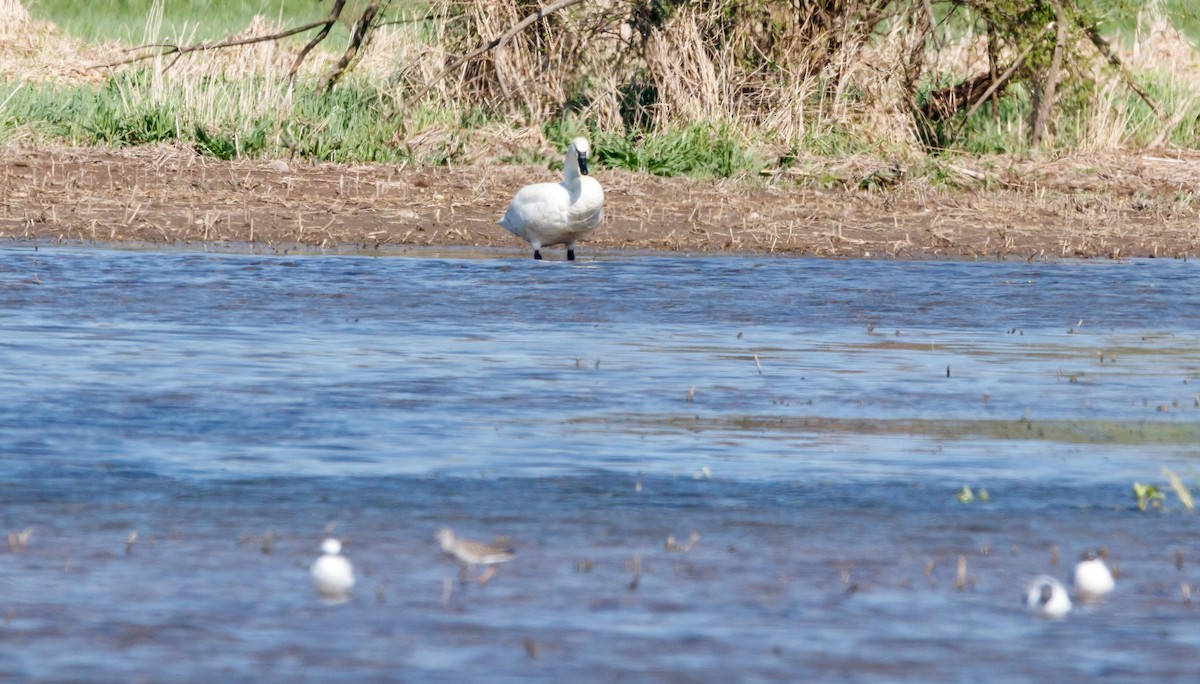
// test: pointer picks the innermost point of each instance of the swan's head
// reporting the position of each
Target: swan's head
(331, 547)
(580, 148)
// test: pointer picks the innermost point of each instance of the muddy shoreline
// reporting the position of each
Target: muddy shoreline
(1099, 206)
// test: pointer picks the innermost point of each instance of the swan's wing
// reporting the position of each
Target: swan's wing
(536, 206)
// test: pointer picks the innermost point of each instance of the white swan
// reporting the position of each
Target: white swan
(558, 213)
(332, 575)
(1048, 598)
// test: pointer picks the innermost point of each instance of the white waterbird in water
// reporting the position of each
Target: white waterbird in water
(332, 575)
(558, 213)
(1047, 597)
(1093, 579)
(470, 553)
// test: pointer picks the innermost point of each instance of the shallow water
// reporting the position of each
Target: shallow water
(811, 421)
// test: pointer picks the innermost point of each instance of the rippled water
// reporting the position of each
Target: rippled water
(812, 421)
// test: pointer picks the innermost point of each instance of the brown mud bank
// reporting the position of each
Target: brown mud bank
(1110, 206)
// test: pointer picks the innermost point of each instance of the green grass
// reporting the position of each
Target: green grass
(699, 151)
(257, 118)
(1138, 125)
(125, 20)
(1122, 15)
(346, 125)
(343, 126)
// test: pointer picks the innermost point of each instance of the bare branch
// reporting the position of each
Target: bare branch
(329, 21)
(992, 49)
(181, 50)
(1105, 49)
(932, 24)
(495, 43)
(1045, 94)
(417, 19)
(361, 28)
(998, 83)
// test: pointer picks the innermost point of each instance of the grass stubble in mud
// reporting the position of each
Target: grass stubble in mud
(168, 195)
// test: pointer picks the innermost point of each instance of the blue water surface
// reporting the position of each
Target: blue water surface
(812, 421)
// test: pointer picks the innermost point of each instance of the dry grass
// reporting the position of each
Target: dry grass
(777, 79)
(32, 51)
(700, 66)
(237, 84)
(688, 73)
(1160, 47)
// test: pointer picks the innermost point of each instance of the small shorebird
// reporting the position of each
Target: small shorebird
(558, 213)
(1093, 579)
(1047, 597)
(332, 575)
(470, 553)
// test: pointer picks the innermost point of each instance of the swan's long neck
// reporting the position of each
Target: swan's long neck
(571, 168)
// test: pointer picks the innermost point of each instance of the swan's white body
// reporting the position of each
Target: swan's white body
(558, 213)
(332, 575)
(1093, 579)
(1048, 598)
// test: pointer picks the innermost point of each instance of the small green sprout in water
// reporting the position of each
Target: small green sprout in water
(1181, 489)
(1148, 495)
(965, 495)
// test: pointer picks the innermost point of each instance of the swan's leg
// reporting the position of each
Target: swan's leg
(571, 252)
(537, 254)
(537, 250)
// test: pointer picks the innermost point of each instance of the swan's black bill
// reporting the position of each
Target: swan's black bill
(583, 164)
